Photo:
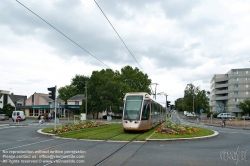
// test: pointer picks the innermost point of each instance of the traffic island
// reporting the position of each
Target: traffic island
(171, 131)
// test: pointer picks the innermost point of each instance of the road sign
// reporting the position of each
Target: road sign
(201, 111)
(18, 118)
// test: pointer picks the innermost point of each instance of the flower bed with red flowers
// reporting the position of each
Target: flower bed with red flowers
(78, 126)
(176, 129)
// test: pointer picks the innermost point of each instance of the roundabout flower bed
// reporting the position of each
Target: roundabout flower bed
(77, 126)
(176, 129)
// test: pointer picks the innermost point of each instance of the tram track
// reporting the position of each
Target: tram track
(98, 163)
(61, 144)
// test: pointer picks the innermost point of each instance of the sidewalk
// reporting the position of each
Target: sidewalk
(217, 123)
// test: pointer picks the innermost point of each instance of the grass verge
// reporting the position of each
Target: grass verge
(111, 130)
(202, 132)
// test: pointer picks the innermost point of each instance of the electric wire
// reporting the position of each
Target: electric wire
(117, 33)
(63, 34)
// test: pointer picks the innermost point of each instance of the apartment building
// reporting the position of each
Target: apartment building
(227, 90)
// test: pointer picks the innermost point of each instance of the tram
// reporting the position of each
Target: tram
(141, 112)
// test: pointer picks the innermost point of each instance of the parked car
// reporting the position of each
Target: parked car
(191, 114)
(245, 117)
(15, 114)
(4, 117)
(226, 115)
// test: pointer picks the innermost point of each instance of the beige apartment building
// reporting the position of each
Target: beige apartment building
(227, 90)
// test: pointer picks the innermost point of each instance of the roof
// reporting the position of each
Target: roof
(50, 100)
(16, 98)
(77, 97)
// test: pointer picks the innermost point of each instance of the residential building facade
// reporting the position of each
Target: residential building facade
(227, 90)
(14, 100)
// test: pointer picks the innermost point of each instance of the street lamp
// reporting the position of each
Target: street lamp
(162, 93)
(86, 100)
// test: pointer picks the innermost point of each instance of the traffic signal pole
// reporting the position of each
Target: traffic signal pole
(55, 109)
(53, 97)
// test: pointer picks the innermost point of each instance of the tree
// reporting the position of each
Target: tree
(8, 109)
(196, 99)
(245, 106)
(79, 82)
(134, 80)
(104, 91)
(67, 92)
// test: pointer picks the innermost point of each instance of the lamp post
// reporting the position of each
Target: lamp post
(162, 93)
(86, 99)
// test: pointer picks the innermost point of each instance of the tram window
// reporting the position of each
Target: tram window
(133, 108)
(145, 110)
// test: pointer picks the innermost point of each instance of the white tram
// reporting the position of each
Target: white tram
(141, 112)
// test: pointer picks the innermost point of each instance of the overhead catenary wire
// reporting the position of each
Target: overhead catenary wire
(62, 34)
(118, 34)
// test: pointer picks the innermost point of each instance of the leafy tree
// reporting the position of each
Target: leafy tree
(196, 99)
(134, 80)
(8, 109)
(104, 91)
(79, 82)
(67, 92)
(245, 106)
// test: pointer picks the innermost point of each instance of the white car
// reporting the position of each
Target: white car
(225, 115)
(191, 114)
(15, 114)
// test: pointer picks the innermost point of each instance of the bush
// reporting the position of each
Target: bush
(215, 115)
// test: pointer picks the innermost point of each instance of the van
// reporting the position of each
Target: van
(225, 115)
(15, 114)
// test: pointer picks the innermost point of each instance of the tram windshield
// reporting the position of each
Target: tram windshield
(132, 108)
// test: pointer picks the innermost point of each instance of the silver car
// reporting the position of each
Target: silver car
(4, 117)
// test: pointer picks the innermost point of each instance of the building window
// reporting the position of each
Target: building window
(247, 86)
(247, 72)
(235, 92)
(237, 106)
(76, 102)
(236, 99)
(31, 112)
(236, 79)
(247, 78)
(247, 93)
(236, 72)
(36, 112)
(235, 85)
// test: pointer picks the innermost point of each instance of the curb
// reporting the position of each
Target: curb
(216, 125)
(186, 139)
(40, 132)
(18, 124)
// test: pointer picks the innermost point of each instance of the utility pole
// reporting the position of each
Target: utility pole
(86, 100)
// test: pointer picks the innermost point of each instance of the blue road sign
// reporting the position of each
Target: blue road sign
(201, 111)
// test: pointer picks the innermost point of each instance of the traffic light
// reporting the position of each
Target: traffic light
(53, 93)
(168, 104)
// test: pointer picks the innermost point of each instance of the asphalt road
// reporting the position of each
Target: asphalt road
(22, 145)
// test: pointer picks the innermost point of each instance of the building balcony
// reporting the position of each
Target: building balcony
(221, 85)
(221, 79)
(217, 92)
(221, 98)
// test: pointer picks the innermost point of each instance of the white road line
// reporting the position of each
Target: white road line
(232, 132)
(28, 144)
(20, 140)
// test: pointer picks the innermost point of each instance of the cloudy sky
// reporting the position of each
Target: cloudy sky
(175, 42)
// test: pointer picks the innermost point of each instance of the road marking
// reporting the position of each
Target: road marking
(19, 140)
(28, 144)
(232, 132)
